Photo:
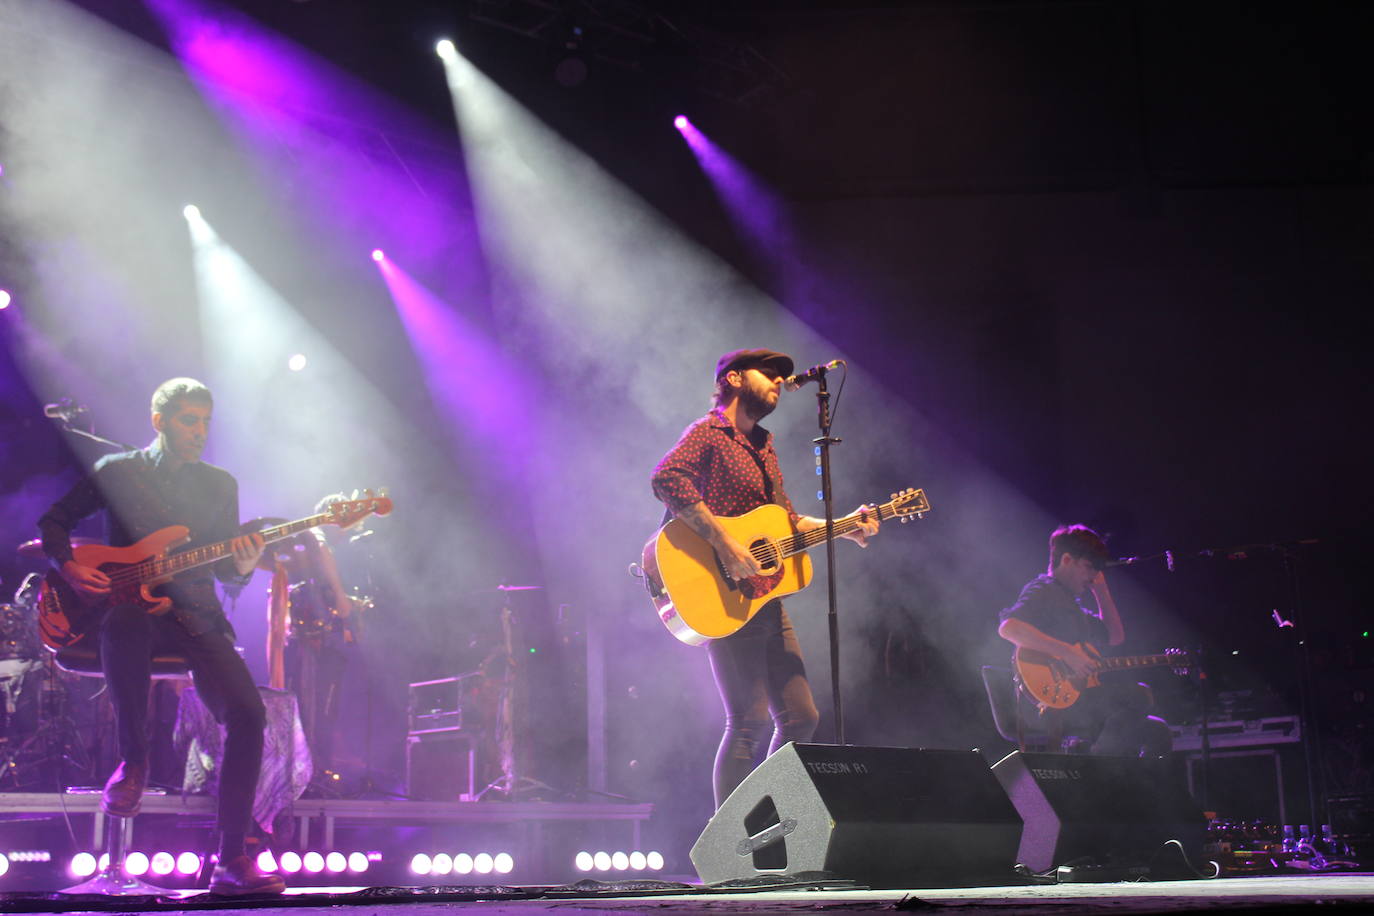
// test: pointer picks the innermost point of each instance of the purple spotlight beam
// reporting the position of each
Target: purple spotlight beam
(680, 122)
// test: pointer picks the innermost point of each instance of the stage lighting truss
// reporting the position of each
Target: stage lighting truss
(633, 36)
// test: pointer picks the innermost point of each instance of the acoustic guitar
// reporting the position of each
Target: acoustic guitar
(697, 601)
(64, 615)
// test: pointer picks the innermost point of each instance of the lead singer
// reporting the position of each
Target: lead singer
(725, 465)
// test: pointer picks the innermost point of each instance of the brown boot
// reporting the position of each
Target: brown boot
(124, 791)
(240, 875)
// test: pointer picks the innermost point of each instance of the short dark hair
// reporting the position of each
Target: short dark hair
(1078, 541)
(172, 392)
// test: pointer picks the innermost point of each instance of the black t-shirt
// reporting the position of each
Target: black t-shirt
(1051, 609)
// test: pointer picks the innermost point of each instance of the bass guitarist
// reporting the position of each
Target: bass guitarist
(725, 465)
(1050, 618)
(142, 492)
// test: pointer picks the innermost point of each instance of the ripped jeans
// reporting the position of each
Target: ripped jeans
(759, 671)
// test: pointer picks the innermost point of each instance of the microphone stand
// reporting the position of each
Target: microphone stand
(823, 444)
(98, 440)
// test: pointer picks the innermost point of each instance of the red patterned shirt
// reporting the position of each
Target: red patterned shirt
(717, 464)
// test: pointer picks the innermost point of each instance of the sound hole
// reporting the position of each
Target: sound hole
(766, 552)
(772, 857)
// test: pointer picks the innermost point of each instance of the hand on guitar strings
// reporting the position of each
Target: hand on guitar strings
(87, 580)
(868, 525)
(1079, 662)
(247, 548)
(739, 563)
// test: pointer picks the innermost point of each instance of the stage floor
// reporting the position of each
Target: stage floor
(1348, 892)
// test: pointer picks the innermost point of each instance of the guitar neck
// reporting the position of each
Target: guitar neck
(211, 553)
(1138, 661)
(805, 540)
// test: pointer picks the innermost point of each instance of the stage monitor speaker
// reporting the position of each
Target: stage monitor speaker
(1115, 809)
(880, 816)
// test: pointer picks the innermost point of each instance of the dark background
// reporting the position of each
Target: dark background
(1121, 253)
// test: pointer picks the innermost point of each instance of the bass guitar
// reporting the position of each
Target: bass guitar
(697, 601)
(1047, 680)
(64, 615)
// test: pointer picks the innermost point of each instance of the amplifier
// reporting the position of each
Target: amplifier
(439, 765)
(438, 705)
(1238, 733)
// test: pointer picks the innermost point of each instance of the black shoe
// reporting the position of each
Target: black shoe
(123, 793)
(240, 875)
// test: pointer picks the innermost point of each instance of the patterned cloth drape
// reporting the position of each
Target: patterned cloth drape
(286, 764)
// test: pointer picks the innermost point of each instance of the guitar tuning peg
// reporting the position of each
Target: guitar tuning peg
(892, 496)
(367, 494)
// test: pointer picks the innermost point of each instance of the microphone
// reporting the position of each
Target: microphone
(793, 382)
(65, 410)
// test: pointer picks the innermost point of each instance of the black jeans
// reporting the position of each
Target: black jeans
(1113, 718)
(129, 637)
(758, 671)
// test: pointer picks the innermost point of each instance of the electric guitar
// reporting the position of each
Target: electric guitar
(1049, 683)
(65, 615)
(697, 601)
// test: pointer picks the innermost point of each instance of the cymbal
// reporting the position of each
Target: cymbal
(34, 549)
(505, 588)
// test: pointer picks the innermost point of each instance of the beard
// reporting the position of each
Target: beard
(755, 402)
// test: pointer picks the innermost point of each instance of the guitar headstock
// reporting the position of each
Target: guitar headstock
(906, 504)
(347, 513)
(1183, 661)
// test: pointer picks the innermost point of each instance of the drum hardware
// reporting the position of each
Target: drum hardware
(33, 550)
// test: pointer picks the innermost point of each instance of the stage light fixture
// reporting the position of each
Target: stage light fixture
(680, 122)
(191, 211)
(620, 861)
(5, 299)
(313, 862)
(297, 362)
(162, 863)
(462, 863)
(482, 863)
(378, 255)
(441, 864)
(335, 862)
(83, 865)
(4, 865)
(357, 862)
(602, 861)
(136, 864)
(445, 49)
(290, 862)
(420, 864)
(266, 861)
(654, 860)
(583, 861)
(637, 860)
(188, 863)
(503, 863)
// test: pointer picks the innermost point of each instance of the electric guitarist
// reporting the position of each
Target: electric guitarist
(725, 465)
(1050, 622)
(142, 492)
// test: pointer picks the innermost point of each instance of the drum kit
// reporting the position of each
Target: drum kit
(37, 730)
